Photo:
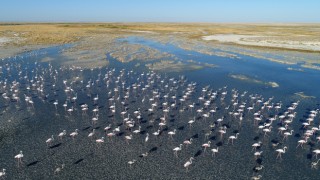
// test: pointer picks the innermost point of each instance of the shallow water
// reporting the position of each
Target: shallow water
(26, 127)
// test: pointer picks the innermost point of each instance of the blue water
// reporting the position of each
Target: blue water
(290, 81)
(26, 128)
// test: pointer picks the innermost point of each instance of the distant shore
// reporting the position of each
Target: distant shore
(93, 40)
(267, 41)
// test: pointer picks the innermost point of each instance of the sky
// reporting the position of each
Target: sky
(229, 11)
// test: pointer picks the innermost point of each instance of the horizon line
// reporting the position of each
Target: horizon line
(147, 22)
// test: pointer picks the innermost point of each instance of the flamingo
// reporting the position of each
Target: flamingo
(63, 133)
(257, 154)
(131, 162)
(108, 127)
(3, 173)
(188, 163)
(302, 142)
(286, 134)
(50, 140)
(19, 158)
(256, 177)
(281, 151)
(58, 169)
(220, 120)
(267, 130)
(92, 133)
(214, 151)
(255, 145)
(222, 131)
(281, 129)
(171, 133)
(191, 121)
(55, 104)
(233, 138)
(176, 149)
(74, 134)
(137, 131)
(111, 134)
(70, 110)
(188, 142)
(313, 164)
(100, 141)
(147, 138)
(206, 145)
(128, 138)
(316, 151)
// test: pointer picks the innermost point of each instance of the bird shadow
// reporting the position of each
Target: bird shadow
(311, 144)
(55, 146)
(195, 136)
(78, 161)
(309, 156)
(25, 118)
(148, 127)
(259, 161)
(219, 143)
(86, 128)
(120, 134)
(153, 149)
(213, 138)
(198, 153)
(33, 163)
(236, 131)
(143, 121)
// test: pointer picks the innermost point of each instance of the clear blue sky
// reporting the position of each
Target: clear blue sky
(307, 11)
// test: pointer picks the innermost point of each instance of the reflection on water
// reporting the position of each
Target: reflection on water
(137, 117)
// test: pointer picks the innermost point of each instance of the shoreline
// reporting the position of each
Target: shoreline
(96, 39)
(265, 41)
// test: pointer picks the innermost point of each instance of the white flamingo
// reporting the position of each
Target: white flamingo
(188, 163)
(171, 133)
(257, 154)
(147, 138)
(131, 162)
(176, 149)
(74, 134)
(316, 151)
(281, 151)
(313, 164)
(19, 158)
(286, 134)
(233, 138)
(128, 138)
(214, 151)
(92, 133)
(63, 133)
(50, 140)
(3, 173)
(256, 145)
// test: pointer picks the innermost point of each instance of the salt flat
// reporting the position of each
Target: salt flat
(4, 40)
(265, 41)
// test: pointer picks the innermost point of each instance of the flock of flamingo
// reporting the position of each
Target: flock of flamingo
(141, 105)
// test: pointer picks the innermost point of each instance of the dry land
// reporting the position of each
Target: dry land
(282, 43)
